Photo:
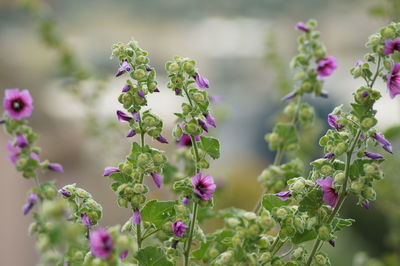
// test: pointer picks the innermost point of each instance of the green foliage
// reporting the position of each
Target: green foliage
(158, 212)
(152, 256)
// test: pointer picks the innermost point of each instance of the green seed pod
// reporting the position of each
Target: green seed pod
(324, 233)
(326, 169)
(127, 99)
(173, 67)
(357, 187)
(339, 178)
(143, 159)
(122, 202)
(369, 193)
(198, 97)
(140, 188)
(139, 74)
(281, 213)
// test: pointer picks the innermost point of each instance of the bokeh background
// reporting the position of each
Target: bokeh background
(243, 47)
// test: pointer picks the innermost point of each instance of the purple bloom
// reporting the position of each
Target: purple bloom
(329, 155)
(32, 199)
(125, 66)
(86, 221)
(203, 125)
(179, 228)
(386, 145)
(149, 68)
(56, 167)
(157, 179)
(123, 117)
(210, 119)
(22, 141)
(332, 243)
(326, 66)
(204, 186)
(362, 137)
(156, 90)
(18, 104)
(101, 244)
(201, 81)
(289, 97)
(365, 204)
(65, 192)
(140, 93)
(302, 26)
(14, 152)
(391, 46)
(35, 157)
(126, 88)
(364, 94)
(283, 195)
(136, 218)
(185, 200)
(131, 133)
(123, 254)
(109, 170)
(185, 141)
(136, 116)
(330, 196)
(162, 139)
(393, 81)
(373, 156)
(178, 91)
(332, 122)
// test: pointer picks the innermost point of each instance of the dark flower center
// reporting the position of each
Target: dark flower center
(202, 188)
(17, 105)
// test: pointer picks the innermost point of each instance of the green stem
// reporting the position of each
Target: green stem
(139, 237)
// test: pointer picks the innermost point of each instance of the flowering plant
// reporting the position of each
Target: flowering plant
(295, 207)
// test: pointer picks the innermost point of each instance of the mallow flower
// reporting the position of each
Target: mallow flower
(157, 178)
(179, 228)
(204, 186)
(302, 26)
(125, 66)
(201, 81)
(386, 145)
(136, 218)
(32, 199)
(22, 141)
(326, 66)
(101, 244)
(330, 196)
(393, 81)
(391, 46)
(373, 156)
(56, 167)
(283, 195)
(18, 104)
(86, 220)
(109, 170)
(332, 121)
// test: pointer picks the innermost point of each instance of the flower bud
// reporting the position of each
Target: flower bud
(198, 97)
(373, 40)
(127, 227)
(126, 99)
(297, 186)
(339, 178)
(143, 159)
(357, 186)
(369, 193)
(138, 199)
(186, 108)
(250, 216)
(299, 76)
(306, 87)
(122, 202)
(139, 188)
(281, 213)
(326, 169)
(299, 253)
(150, 121)
(340, 148)
(324, 233)
(141, 59)
(368, 122)
(227, 256)
(321, 259)
(213, 252)
(232, 222)
(180, 208)
(265, 257)
(323, 140)
(173, 67)
(388, 32)
(267, 222)
(189, 66)
(82, 193)
(192, 129)
(139, 74)
(254, 229)
(204, 164)
(299, 224)
(272, 138)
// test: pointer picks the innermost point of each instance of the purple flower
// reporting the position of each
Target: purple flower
(56, 167)
(157, 179)
(14, 152)
(332, 243)
(203, 125)
(204, 186)
(178, 91)
(136, 116)
(174, 244)
(109, 170)
(185, 200)
(393, 81)
(123, 117)
(126, 88)
(283, 195)
(162, 139)
(123, 254)
(86, 221)
(386, 145)
(210, 120)
(329, 155)
(65, 193)
(32, 199)
(364, 94)
(125, 66)
(201, 81)
(326, 66)
(22, 141)
(35, 157)
(330, 196)
(185, 141)
(289, 97)
(131, 133)
(179, 228)
(140, 93)
(101, 244)
(156, 90)
(332, 122)
(302, 26)
(136, 218)
(18, 104)
(391, 46)
(373, 156)
(365, 204)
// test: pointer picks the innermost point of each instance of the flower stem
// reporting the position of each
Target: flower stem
(138, 226)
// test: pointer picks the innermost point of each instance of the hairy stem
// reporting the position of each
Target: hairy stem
(139, 237)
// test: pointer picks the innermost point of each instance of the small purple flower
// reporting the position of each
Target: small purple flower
(330, 196)
(201, 81)
(56, 167)
(365, 204)
(289, 97)
(386, 145)
(156, 90)
(393, 81)
(185, 141)
(332, 243)
(179, 228)
(329, 155)
(149, 68)
(136, 116)
(123, 117)
(326, 66)
(141, 94)
(126, 88)
(359, 63)
(210, 119)
(125, 66)
(332, 122)
(373, 156)
(203, 125)
(204, 186)
(35, 157)
(157, 179)
(178, 91)
(185, 200)
(22, 141)
(32, 199)
(364, 94)
(65, 193)
(18, 104)
(136, 218)
(86, 220)
(362, 137)
(131, 133)
(109, 170)
(283, 195)
(14, 152)
(302, 26)
(101, 244)
(391, 46)
(123, 254)
(162, 139)
(174, 244)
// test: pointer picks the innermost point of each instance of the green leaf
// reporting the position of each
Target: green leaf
(153, 256)
(287, 132)
(199, 254)
(211, 146)
(311, 202)
(271, 201)
(169, 172)
(157, 212)
(357, 168)
(307, 235)
(339, 223)
(120, 177)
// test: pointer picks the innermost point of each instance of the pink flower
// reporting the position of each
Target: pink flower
(204, 186)
(18, 104)
(393, 81)
(326, 66)
(391, 46)
(283, 195)
(179, 228)
(14, 152)
(157, 179)
(101, 244)
(302, 26)
(330, 196)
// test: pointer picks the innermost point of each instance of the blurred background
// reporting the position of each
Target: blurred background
(243, 48)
